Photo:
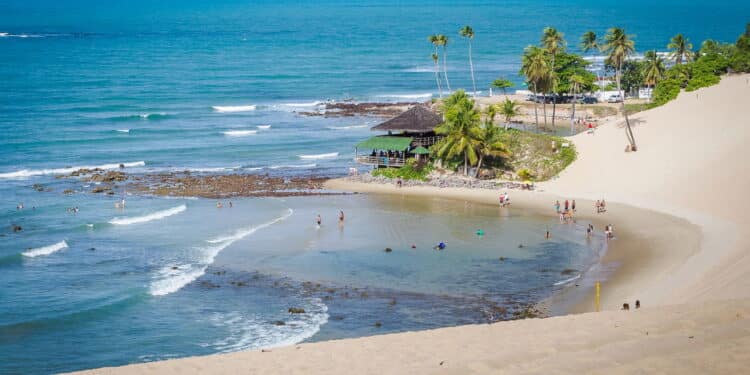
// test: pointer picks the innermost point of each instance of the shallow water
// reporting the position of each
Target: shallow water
(176, 277)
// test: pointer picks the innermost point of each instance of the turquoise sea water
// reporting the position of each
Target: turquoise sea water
(195, 85)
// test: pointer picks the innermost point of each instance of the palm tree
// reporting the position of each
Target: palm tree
(553, 42)
(535, 67)
(468, 32)
(489, 115)
(681, 49)
(502, 84)
(435, 58)
(653, 71)
(509, 109)
(460, 130)
(443, 42)
(619, 46)
(488, 142)
(576, 81)
(590, 43)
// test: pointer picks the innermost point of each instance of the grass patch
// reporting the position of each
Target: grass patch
(413, 170)
(537, 157)
(633, 108)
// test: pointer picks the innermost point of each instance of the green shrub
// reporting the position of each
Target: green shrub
(525, 174)
(413, 170)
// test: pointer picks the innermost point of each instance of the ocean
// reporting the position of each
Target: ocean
(216, 87)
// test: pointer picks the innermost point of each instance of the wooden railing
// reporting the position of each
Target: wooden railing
(380, 161)
(426, 141)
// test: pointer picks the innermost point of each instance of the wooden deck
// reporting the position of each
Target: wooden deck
(381, 161)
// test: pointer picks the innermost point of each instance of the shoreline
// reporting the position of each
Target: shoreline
(633, 253)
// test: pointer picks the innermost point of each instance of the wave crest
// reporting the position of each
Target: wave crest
(150, 217)
(330, 155)
(239, 133)
(172, 278)
(38, 172)
(45, 250)
(233, 108)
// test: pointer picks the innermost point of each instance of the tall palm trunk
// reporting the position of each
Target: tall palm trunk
(629, 131)
(544, 111)
(554, 89)
(479, 166)
(466, 163)
(437, 74)
(471, 67)
(573, 115)
(536, 112)
(445, 70)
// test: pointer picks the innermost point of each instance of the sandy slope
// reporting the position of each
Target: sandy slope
(688, 262)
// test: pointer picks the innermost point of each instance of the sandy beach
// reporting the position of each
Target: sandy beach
(678, 208)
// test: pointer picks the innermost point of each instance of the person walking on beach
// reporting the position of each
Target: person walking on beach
(567, 205)
(557, 206)
(507, 199)
(573, 205)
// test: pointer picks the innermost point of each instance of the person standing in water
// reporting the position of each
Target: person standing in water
(318, 220)
(341, 216)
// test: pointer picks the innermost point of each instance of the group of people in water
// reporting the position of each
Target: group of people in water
(319, 219)
(221, 205)
(566, 211)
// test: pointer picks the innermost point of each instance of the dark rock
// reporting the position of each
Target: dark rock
(568, 271)
(338, 317)
(296, 310)
(68, 191)
(378, 324)
(92, 249)
(388, 249)
(38, 187)
(279, 323)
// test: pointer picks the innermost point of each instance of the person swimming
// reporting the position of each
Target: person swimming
(440, 246)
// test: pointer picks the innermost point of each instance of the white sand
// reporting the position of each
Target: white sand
(682, 253)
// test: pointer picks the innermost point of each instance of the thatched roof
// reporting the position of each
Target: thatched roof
(418, 119)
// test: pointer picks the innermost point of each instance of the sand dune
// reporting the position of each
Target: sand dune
(679, 207)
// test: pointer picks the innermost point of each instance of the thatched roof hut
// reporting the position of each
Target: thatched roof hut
(418, 119)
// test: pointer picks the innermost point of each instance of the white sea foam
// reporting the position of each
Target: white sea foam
(346, 127)
(264, 127)
(172, 278)
(254, 332)
(562, 282)
(8, 35)
(330, 155)
(38, 172)
(307, 104)
(420, 69)
(426, 95)
(239, 133)
(147, 116)
(150, 217)
(233, 108)
(45, 250)
(123, 130)
(293, 166)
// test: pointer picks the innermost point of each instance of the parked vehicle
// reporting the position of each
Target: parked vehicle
(587, 100)
(614, 98)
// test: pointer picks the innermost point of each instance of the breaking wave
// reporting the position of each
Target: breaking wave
(330, 155)
(45, 250)
(172, 278)
(239, 133)
(38, 172)
(150, 217)
(346, 127)
(235, 108)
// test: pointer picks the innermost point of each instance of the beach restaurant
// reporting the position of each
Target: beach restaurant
(409, 135)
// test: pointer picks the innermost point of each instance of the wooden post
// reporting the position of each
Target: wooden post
(598, 296)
